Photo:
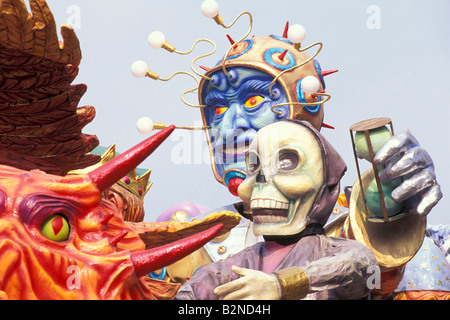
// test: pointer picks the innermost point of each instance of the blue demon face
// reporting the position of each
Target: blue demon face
(239, 105)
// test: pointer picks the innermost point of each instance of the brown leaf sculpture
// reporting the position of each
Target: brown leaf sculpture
(40, 122)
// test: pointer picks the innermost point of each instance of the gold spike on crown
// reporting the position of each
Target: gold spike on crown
(138, 185)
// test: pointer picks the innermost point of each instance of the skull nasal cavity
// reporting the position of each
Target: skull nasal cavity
(261, 178)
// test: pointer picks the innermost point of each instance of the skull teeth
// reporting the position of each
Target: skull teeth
(268, 204)
(268, 219)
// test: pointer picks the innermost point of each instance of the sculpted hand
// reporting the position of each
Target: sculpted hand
(253, 285)
(404, 157)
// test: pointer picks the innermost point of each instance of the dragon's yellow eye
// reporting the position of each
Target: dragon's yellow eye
(220, 110)
(56, 228)
(253, 101)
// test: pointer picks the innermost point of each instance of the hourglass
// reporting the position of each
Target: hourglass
(368, 137)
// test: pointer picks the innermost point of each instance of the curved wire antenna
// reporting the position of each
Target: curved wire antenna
(193, 128)
(156, 77)
(161, 126)
(327, 98)
(237, 42)
(199, 57)
(299, 65)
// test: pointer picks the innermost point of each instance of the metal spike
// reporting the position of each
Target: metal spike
(324, 125)
(281, 56)
(286, 28)
(328, 72)
(230, 39)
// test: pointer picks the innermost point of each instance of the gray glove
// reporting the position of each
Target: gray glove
(404, 157)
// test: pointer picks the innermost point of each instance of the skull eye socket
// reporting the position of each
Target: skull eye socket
(253, 163)
(288, 160)
(56, 228)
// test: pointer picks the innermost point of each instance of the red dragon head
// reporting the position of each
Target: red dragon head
(59, 239)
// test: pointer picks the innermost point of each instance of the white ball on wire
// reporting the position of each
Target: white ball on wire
(139, 69)
(296, 33)
(310, 85)
(156, 39)
(210, 8)
(145, 125)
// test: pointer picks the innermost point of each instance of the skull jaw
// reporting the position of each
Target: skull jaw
(275, 222)
(264, 216)
(275, 214)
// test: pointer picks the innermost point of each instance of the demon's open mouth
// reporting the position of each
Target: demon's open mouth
(237, 150)
(269, 211)
(233, 150)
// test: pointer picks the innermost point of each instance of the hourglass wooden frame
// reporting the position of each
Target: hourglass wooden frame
(365, 126)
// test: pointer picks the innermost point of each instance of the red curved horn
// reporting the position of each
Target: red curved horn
(154, 259)
(114, 170)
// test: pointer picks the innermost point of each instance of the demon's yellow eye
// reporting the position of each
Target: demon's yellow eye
(220, 110)
(56, 228)
(253, 101)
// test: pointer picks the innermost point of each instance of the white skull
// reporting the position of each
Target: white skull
(285, 167)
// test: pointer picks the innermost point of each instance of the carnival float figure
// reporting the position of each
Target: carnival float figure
(60, 236)
(57, 227)
(51, 212)
(262, 80)
(292, 186)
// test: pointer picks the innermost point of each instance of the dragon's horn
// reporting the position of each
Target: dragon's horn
(154, 259)
(115, 169)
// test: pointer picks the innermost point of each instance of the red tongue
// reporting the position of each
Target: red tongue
(233, 185)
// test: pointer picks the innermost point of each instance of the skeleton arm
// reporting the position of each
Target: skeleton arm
(343, 271)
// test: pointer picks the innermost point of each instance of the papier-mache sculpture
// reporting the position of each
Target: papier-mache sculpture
(291, 188)
(60, 237)
(261, 80)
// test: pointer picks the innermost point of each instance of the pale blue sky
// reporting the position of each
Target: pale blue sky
(399, 70)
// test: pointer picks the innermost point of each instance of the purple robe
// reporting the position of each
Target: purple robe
(336, 268)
